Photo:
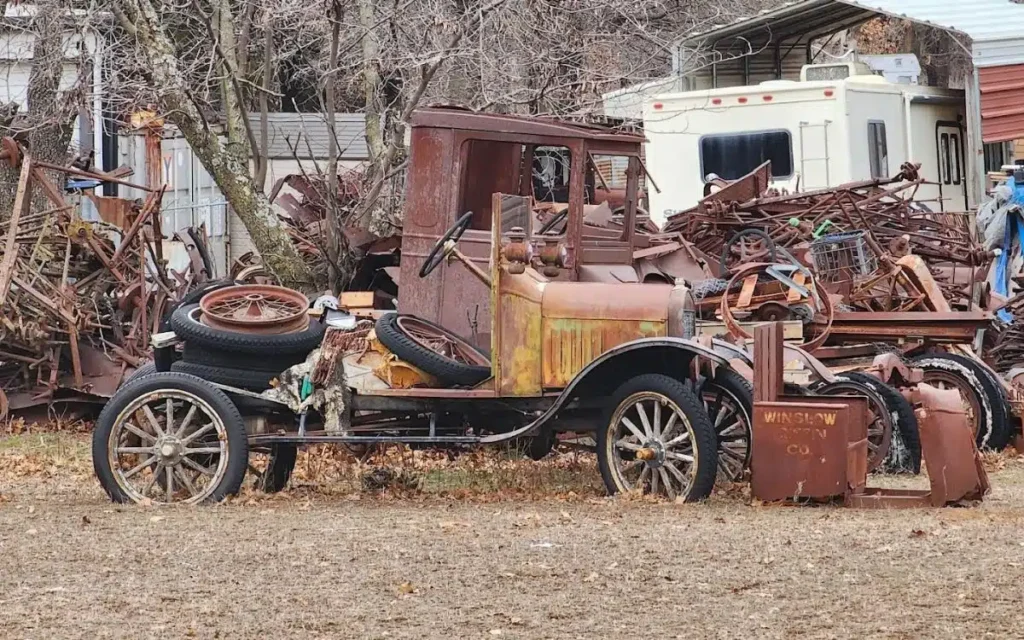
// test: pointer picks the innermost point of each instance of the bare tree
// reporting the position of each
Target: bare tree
(46, 126)
(225, 158)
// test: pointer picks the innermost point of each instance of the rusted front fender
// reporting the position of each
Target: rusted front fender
(682, 348)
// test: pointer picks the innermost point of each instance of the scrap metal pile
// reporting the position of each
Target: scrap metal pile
(79, 299)
(305, 214)
(856, 233)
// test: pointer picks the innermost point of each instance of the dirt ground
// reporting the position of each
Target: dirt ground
(475, 555)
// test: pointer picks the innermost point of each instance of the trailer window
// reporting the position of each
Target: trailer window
(878, 150)
(734, 156)
(954, 155)
(944, 168)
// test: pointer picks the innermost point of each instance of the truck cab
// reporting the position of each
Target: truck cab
(582, 184)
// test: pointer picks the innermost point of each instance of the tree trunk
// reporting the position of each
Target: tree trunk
(231, 174)
(51, 115)
(336, 250)
(372, 86)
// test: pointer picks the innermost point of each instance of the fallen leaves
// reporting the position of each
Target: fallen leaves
(407, 589)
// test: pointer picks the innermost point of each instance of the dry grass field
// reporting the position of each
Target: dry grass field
(489, 547)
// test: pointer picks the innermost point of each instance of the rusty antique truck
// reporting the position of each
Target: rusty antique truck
(612, 358)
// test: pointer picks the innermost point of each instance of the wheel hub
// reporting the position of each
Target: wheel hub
(169, 449)
(652, 452)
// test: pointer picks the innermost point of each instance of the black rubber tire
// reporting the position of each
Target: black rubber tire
(234, 425)
(164, 357)
(279, 469)
(221, 359)
(144, 370)
(730, 383)
(240, 378)
(995, 429)
(703, 433)
(192, 297)
(444, 369)
(873, 397)
(191, 330)
(905, 448)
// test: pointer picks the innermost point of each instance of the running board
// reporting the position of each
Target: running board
(294, 438)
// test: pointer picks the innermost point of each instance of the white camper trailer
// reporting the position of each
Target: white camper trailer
(818, 134)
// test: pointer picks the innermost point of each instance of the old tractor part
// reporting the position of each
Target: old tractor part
(433, 349)
(760, 283)
(905, 445)
(255, 309)
(657, 438)
(815, 449)
(880, 424)
(982, 397)
(744, 247)
(175, 439)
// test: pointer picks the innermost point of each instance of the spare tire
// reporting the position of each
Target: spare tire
(185, 323)
(471, 368)
(905, 446)
(240, 378)
(193, 297)
(979, 388)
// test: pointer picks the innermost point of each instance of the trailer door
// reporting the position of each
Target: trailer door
(949, 142)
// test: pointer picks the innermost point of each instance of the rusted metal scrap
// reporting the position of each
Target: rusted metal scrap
(305, 221)
(881, 213)
(78, 298)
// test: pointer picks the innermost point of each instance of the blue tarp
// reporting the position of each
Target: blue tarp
(1014, 230)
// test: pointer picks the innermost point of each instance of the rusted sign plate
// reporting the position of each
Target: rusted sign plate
(799, 450)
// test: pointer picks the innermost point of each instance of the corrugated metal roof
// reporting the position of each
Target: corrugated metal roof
(980, 19)
(996, 27)
(308, 135)
(1002, 102)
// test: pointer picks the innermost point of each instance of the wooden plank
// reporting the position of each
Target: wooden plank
(747, 292)
(357, 299)
(794, 295)
(22, 199)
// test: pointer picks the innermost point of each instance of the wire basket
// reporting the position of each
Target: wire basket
(843, 256)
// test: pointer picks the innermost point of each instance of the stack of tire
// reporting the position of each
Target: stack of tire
(978, 386)
(243, 360)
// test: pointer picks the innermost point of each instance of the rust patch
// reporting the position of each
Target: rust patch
(571, 344)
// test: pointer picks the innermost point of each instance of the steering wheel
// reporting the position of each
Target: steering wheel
(445, 244)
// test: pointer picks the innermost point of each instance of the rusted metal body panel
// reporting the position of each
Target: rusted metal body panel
(518, 336)
(583, 320)
(955, 468)
(1002, 102)
(948, 446)
(600, 301)
(569, 345)
(810, 448)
